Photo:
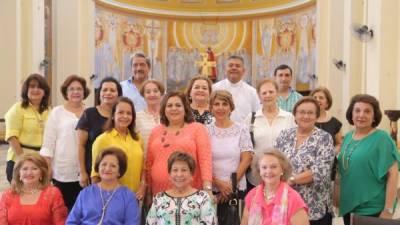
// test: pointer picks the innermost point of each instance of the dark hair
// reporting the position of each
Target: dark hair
(265, 81)
(236, 57)
(327, 94)
(191, 83)
(283, 67)
(106, 80)
(110, 124)
(159, 85)
(69, 80)
(183, 157)
(140, 55)
(307, 99)
(118, 153)
(44, 103)
(188, 112)
(365, 98)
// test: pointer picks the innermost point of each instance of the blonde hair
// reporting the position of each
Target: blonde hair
(283, 161)
(40, 162)
(223, 95)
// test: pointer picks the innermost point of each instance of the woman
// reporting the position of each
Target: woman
(368, 163)
(90, 125)
(146, 120)
(120, 132)
(106, 202)
(266, 124)
(274, 201)
(182, 204)
(311, 152)
(198, 95)
(232, 151)
(60, 141)
(177, 131)
(31, 199)
(25, 120)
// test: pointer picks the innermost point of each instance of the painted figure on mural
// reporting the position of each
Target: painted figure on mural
(303, 75)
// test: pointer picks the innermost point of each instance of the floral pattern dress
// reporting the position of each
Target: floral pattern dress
(195, 209)
(316, 153)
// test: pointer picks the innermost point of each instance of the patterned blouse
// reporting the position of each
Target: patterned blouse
(316, 153)
(205, 118)
(194, 209)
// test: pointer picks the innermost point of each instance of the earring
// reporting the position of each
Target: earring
(281, 174)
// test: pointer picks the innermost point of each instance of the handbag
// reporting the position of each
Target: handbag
(233, 203)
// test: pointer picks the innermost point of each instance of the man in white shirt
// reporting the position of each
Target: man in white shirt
(140, 66)
(244, 96)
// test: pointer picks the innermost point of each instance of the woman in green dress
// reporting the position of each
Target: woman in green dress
(368, 163)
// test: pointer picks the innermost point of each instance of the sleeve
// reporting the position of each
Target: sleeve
(295, 203)
(203, 149)
(207, 211)
(249, 197)
(84, 122)
(50, 135)
(150, 156)
(385, 155)
(4, 204)
(325, 154)
(245, 140)
(14, 119)
(280, 140)
(99, 144)
(132, 212)
(58, 209)
(151, 218)
(75, 216)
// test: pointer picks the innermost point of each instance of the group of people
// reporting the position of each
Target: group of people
(143, 156)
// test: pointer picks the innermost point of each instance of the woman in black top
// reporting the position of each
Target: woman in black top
(198, 95)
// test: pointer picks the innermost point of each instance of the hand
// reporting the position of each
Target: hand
(140, 194)
(385, 215)
(225, 188)
(83, 179)
(213, 200)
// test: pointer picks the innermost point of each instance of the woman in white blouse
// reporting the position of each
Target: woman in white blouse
(267, 123)
(232, 151)
(60, 139)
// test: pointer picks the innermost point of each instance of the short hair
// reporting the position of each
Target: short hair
(44, 103)
(327, 94)
(69, 80)
(307, 99)
(40, 162)
(236, 57)
(283, 67)
(110, 124)
(265, 81)
(191, 83)
(106, 80)
(365, 98)
(159, 85)
(283, 161)
(183, 157)
(140, 55)
(223, 95)
(118, 153)
(188, 112)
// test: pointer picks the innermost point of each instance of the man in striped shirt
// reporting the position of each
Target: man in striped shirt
(287, 96)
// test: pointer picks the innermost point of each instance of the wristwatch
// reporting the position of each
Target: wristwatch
(389, 210)
(292, 179)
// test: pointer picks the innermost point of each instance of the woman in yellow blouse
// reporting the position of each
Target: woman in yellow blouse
(25, 120)
(120, 133)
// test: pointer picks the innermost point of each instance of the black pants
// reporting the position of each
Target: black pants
(326, 220)
(347, 217)
(9, 170)
(69, 190)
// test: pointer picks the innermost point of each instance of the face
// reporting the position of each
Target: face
(322, 100)
(109, 168)
(174, 110)
(140, 69)
(363, 115)
(152, 94)
(221, 109)
(180, 175)
(123, 115)
(35, 93)
(200, 91)
(267, 94)
(108, 93)
(234, 70)
(283, 78)
(75, 92)
(306, 115)
(270, 169)
(30, 174)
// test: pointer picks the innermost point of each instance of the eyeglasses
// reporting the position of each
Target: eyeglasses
(308, 113)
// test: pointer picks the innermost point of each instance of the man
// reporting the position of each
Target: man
(244, 96)
(140, 67)
(287, 97)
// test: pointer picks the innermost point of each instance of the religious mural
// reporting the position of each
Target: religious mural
(181, 49)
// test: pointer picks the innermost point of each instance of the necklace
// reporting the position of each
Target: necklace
(268, 197)
(164, 136)
(348, 152)
(105, 203)
(31, 192)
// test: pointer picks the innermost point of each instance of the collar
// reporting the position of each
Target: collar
(238, 84)
(281, 113)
